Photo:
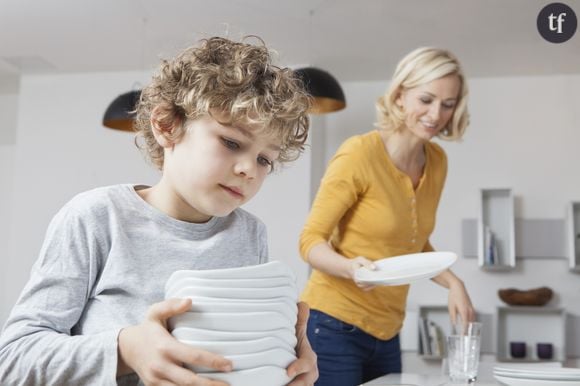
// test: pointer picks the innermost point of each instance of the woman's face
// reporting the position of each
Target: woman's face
(429, 107)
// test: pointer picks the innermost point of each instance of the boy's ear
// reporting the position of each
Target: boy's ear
(162, 131)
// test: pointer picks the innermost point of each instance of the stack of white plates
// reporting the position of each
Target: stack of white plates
(246, 314)
(537, 376)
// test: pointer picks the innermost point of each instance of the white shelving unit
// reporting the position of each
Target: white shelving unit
(496, 218)
(573, 235)
(531, 325)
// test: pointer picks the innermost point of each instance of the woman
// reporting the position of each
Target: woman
(378, 198)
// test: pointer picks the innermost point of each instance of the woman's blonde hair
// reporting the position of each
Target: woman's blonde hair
(421, 66)
(235, 78)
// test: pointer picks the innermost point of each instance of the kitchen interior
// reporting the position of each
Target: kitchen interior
(62, 63)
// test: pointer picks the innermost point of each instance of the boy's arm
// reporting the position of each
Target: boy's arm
(304, 369)
(36, 346)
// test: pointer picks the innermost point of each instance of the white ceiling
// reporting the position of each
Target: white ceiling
(353, 39)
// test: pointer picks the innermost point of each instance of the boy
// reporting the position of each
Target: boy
(214, 120)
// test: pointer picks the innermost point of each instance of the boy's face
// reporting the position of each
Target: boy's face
(214, 168)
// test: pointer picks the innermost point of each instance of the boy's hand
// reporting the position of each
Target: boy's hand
(304, 368)
(157, 357)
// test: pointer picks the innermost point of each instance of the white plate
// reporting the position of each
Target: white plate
(270, 269)
(189, 333)
(539, 373)
(237, 347)
(532, 382)
(541, 366)
(236, 293)
(274, 357)
(268, 375)
(539, 376)
(291, 304)
(227, 321)
(289, 310)
(264, 282)
(539, 369)
(406, 269)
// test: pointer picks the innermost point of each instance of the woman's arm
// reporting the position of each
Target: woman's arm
(341, 187)
(459, 301)
(325, 259)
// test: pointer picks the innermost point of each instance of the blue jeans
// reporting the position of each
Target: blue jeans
(348, 356)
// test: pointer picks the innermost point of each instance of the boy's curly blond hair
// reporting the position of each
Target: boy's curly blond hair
(234, 78)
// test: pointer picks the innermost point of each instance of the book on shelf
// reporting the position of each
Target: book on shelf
(491, 256)
(424, 346)
(431, 338)
(437, 339)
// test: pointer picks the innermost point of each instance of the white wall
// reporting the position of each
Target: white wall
(524, 134)
(6, 169)
(8, 121)
(8, 115)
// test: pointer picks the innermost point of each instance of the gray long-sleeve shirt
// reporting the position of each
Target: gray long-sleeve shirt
(105, 259)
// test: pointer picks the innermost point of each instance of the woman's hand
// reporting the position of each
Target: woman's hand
(325, 259)
(459, 303)
(303, 369)
(357, 263)
(157, 357)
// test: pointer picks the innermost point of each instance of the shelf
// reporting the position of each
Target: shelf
(573, 235)
(535, 238)
(496, 230)
(439, 315)
(531, 325)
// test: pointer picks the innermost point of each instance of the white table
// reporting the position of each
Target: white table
(410, 379)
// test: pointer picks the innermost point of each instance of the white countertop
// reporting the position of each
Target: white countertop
(410, 379)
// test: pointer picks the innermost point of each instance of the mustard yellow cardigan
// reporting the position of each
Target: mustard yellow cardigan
(367, 207)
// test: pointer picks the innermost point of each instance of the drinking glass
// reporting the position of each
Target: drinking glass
(470, 328)
(463, 358)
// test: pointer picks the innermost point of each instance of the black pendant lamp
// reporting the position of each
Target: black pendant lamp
(325, 89)
(119, 114)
